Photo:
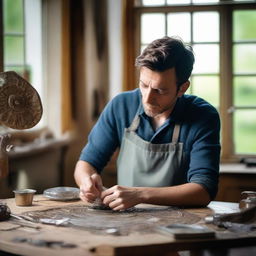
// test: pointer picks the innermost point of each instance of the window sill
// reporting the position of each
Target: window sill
(237, 168)
(36, 147)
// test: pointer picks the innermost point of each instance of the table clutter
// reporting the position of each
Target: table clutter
(53, 227)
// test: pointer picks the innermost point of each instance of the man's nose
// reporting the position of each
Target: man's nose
(149, 96)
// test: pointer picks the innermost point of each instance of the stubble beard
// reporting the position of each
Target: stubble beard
(151, 112)
(157, 110)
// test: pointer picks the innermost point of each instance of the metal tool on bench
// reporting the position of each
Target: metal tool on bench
(248, 199)
(25, 221)
(243, 220)
(187, 231)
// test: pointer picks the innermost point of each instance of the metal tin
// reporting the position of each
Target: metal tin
(24, 197)
(62, 193)
(248, 199)
(247, 202)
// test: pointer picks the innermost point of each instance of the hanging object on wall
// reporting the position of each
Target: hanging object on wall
(20, 104)
(20, 108)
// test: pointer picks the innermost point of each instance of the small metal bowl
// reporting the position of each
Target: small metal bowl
(247, 202)
(24, 197)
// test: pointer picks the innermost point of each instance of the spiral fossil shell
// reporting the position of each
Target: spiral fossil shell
(20, 104)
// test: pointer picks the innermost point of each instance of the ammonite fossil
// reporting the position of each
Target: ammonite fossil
(20, 104)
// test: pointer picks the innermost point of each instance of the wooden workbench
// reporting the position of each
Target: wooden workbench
(88, 243)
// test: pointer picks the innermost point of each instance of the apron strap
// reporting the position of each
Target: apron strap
(135, 124)
(176, 133)
(136, 121)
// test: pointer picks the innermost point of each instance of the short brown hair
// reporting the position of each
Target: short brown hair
(166, 53)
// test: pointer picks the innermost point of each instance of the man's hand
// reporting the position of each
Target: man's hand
(120, 197)
(91, 188)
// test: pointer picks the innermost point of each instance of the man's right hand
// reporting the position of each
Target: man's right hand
(91, 188)
(88, 180)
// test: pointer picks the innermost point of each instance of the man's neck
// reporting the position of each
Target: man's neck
(159, 120)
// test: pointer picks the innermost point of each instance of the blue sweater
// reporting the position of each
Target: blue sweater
(200, 128)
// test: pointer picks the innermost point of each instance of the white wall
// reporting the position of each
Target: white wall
(33, 44)
(33, 26)
(115, 46)
(52, 64)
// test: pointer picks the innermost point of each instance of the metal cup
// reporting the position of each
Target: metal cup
(24, 197)
(248, 199)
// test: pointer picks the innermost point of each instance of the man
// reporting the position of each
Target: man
(169, 142)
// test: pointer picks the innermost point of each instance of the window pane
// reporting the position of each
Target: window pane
(21, 70)
(142, 48)
(34, 42)
(245, 91)
(244, 25)
(206, 27)
(152, 2)
(245, 58)
(179, 25)
(13, 50)
(170, 2)
(244, 131)
(204, 1)
(152, 27)
(206, 87)
(189, 90)
(206, 58)
(13, 16)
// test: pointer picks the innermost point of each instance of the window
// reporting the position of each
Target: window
(244, 79)
(223, 36)
(14, 36)
(22, 40)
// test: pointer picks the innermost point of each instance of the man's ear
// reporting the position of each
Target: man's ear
(183, 88)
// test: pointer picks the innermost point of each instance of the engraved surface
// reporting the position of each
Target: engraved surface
(136, 219)
(20, 104)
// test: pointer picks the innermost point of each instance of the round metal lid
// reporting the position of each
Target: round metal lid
(62, 193)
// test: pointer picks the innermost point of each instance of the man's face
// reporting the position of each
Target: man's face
(159, 91)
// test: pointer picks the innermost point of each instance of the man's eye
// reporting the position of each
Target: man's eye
(161, 91)
(143, 85)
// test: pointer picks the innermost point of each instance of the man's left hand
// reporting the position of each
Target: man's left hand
(120, 197)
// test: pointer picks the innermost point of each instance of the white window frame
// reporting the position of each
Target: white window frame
(226, 76)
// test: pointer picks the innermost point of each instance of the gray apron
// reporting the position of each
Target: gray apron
(143, 164)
